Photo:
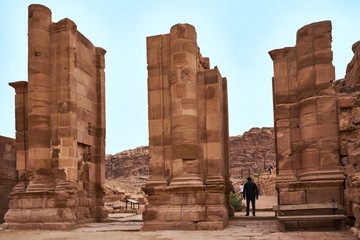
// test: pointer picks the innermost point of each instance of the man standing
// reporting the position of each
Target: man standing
(250, 192)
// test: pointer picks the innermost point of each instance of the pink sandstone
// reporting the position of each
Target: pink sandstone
(316, 125)
(188, 183)
(60, 128)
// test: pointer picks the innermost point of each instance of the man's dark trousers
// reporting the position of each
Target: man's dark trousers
(248, 205)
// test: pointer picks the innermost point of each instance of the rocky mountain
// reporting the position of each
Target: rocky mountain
(129, 163)
(249, 153)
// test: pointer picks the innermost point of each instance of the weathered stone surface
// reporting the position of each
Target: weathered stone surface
(188, 136)
(348, 112)
(309, 169)
(266, 184)
(8, 176)
(60, 124)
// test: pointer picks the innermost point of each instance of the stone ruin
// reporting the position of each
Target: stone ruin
(59, 149)
(317, 121)
(188, 186)
(8, 176)
(60, 128)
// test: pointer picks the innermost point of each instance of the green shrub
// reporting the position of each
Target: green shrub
(236, 202)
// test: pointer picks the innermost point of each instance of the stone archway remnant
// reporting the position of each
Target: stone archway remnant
(188, 185)
(60, 128)
(316, 124)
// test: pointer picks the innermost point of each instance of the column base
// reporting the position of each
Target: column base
(186, 208)
(186, 181)
(309, 205)
(60, 207)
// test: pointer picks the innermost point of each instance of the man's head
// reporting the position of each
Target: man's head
(249, 179)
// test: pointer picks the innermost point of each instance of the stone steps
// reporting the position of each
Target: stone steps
(253, 218)
(261, 214)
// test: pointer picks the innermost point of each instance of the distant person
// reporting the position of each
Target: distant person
(241, 189)
(250, 192)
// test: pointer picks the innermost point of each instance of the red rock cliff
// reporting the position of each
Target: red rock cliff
(249, 152)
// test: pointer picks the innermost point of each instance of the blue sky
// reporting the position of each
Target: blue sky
(236, 35)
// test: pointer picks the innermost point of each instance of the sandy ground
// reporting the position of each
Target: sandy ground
(259, 230)
(237, 229)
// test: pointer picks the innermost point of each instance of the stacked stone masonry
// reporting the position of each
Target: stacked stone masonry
(348, 109)
(316, 125)
(188, 185)
(8, 175)
(60, 128)
(266, 184)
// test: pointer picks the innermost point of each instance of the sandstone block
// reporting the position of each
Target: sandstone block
(325, 73)
(323, 196)
(210, 225)
(290, 198)
(328, 130)
(216, 213)
(356, 115)
(309, 132)
(214, 199)
(345, 102)
(18, 215)
(194, 213)
(169, 213)
(329, 158)
(310, 159)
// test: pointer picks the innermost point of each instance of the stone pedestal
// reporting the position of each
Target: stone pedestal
(188, 185)
(60, 124)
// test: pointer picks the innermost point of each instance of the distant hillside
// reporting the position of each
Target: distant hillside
(249, 153)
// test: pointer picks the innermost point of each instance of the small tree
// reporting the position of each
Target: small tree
(236, 202)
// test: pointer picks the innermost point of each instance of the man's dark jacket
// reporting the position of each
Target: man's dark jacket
(250, 191)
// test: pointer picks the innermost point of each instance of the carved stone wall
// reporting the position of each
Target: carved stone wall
(8, 175)
(348, 93)
(188, 183)
(60, 128)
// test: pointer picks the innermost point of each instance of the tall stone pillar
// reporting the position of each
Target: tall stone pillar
(60, 123)
(184, 114)
(39, 87)
(159, 110)
(188, 182)
(286, 122)
(100, 134)
(229, 186)
(317, 105)
(21, 124)
(305, 118)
